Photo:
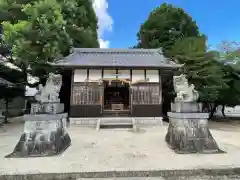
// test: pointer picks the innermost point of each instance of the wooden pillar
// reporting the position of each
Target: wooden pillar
(72, 86)
(160, 85)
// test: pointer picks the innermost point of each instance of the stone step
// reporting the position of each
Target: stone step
(116, 113)
(112, 121)
(115, 122)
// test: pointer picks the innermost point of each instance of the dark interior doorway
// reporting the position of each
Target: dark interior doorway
(65, 91)
(168, 95)
(116, 92)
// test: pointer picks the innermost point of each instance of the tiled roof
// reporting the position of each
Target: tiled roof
(5, 82)
(93, 57)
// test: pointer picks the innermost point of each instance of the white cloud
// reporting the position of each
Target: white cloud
(105, 21)
(103, 43)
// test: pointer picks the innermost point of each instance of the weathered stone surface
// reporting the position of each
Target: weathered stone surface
(50, 92)
(47, 108)
(188, 128)
(45, 128)
(186, 107)
(185, 92)
(44, 135)
(189, 133)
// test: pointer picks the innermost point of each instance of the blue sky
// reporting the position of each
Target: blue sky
(218, 19)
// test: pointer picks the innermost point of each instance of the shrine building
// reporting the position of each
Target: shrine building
(115, 82)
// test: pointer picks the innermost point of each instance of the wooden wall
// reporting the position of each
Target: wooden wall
(87, 102)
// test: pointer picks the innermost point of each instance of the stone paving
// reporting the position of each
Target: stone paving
(120, 150)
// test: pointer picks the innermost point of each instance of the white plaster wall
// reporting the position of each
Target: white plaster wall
(109, 73)
(137, 75)
(229, 111)
(153, 75)
(124, 73)
(80, 75)
(95, 74)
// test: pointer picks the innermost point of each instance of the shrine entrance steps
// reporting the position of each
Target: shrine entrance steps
(115, 122)
(116, 113)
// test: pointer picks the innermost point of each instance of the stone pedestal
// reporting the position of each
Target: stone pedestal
(188, 131)
(186, 107)
(44, 135)
(45, 131)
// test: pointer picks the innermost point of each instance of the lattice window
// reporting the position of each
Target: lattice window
(146, 93)
(86, 93)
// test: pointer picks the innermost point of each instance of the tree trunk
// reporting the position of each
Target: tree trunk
(213, 110)
(6, 112)
(206, 107)
(223, 113)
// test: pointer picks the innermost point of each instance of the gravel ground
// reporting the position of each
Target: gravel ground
(174, 178)
(120, 150)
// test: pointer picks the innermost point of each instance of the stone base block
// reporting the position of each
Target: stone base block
(44, 135)
(148, 121)
(85, 122)
(138, 121)
(53, 107)
(189, 133)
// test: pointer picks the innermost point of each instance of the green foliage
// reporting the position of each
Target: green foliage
(81, 22)
(10, 10)
(230, 96)
(164, 26)
(229, 52)
(201, 68)
(174, 30)
(41, 38)
(39, 31)
(189, 46)
(228, 56)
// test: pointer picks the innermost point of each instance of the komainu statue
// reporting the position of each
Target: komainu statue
(45, 129)
(185, 92)
(50, 92)
(188, 130)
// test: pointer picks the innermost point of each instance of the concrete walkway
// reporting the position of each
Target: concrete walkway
(120, 150)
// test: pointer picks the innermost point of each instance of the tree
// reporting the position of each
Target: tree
(164, 26)
(202, 69)
(229, 53)
(11, 10)
(231, 95)
(228, 56)
(81, 22)
(46, 34)
(40, 39)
